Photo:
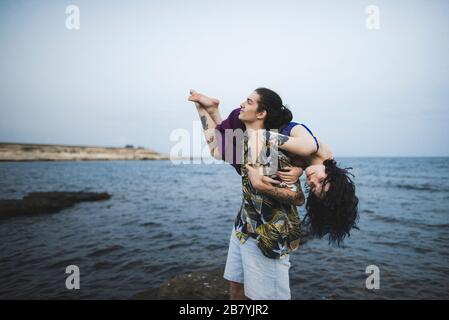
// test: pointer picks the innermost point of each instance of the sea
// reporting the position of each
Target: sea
(166, 219)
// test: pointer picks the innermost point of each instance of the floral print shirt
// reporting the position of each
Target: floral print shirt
(275, 225)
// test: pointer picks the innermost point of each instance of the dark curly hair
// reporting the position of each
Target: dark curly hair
(335, 211)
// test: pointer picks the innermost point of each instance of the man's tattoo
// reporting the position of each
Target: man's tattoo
(282, 139)
(210, 140)
(204, 122)
(295, 199)
(278, 139)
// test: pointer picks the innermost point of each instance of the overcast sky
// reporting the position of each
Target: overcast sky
(123, 77)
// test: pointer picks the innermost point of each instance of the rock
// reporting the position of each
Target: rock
(45, 202)
(202, 285)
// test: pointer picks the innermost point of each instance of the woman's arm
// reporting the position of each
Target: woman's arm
(300, 141)
(290, 174)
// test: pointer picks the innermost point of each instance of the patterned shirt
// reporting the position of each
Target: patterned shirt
(275, 225)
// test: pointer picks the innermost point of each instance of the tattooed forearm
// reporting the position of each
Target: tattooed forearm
(285, 195)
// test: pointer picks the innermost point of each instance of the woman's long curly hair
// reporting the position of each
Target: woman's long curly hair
(335, 212)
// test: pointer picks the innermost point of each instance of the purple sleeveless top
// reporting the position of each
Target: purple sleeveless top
(233, 122)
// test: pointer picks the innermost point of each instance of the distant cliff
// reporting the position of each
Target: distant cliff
(49, 152)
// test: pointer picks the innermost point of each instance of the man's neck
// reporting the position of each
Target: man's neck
(257, 125)
(255, 140)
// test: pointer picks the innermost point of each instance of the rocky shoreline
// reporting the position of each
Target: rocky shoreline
(36, 203)
(201, 285)
(49, 152)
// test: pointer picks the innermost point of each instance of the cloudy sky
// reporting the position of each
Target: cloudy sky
(124, 76)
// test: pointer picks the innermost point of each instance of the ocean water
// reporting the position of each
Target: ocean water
(165, 219)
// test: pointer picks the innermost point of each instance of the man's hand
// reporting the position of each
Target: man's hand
(258, 181)
(290, 175)
(274, 189)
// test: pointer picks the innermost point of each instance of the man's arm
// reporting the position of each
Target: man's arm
(284, 195)
(270, 187)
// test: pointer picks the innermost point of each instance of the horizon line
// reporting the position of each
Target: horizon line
(199, 156)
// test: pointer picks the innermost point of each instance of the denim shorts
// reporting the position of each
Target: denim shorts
(263, 278)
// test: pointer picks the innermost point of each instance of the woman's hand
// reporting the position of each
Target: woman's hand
(290, 174)
(258, 181)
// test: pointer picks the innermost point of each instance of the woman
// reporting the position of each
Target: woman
(332, 205)
(266, 228)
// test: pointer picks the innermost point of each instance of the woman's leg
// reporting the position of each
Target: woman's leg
(210, 105)
(208, 129)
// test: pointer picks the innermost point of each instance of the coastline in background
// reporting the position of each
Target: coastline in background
(55, 152)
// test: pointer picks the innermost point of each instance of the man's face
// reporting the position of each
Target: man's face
(315, 177)
(248, 109)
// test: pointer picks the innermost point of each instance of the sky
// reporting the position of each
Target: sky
(123, 77)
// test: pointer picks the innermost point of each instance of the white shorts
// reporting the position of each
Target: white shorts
(263, 278)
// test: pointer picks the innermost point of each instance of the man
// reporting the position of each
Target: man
(266, 228)
(332, 206)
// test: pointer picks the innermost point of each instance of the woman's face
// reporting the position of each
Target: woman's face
(315, 177)
(248, 109)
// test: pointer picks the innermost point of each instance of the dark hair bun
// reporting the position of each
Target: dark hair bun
(278, 115)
